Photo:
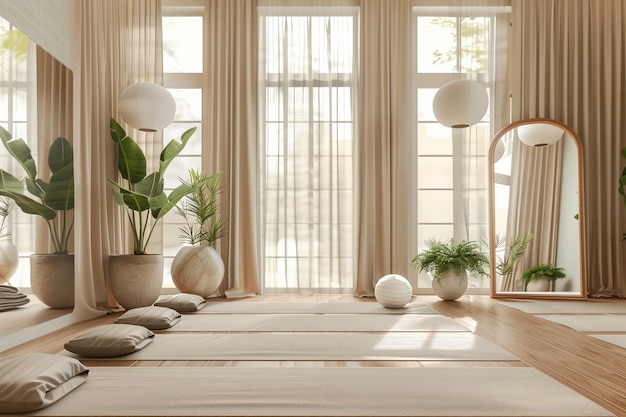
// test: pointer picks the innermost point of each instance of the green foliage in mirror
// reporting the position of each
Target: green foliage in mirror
(547, 271)
(56, 197)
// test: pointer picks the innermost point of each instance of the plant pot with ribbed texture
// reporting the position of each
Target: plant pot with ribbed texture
(198, 270)
(136, 280)
(52, 279)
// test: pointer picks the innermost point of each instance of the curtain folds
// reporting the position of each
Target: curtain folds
(569, 65)
(383, 145)
(231, 138)
(534, 201)
(54, 119)
(117, 42)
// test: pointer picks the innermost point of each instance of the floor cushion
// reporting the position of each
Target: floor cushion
(183, 302)
(151, 317)
(110, 340)
(35, 380)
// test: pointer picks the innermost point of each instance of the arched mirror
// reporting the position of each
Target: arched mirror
(536, 220)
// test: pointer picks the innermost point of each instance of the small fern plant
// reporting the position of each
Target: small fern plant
(460, 256)
(542, 271)
(200, 209)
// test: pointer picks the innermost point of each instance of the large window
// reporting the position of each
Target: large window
(183, 29)
(307, 101)
(451, 164)
(17, 115)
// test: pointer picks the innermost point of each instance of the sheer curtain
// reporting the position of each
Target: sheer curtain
(232, 140)
(383, 145)
(308, 75)
(568, 64)
(117, 42)
(534, 201)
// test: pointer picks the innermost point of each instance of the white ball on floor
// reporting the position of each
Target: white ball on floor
(393, 291)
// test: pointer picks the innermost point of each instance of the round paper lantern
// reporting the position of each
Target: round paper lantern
(147, 106)
(393, 291)
(460, 103)
(539, 134)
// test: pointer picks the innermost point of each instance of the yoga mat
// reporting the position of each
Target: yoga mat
(319, 346)
(321, 392)
(316, 323)
(264, 307)
(589, 322)
(571, 307)
(616, 339)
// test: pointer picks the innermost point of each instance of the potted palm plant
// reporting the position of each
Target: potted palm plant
(199, 268)
(136, 279)
(541, 277)
(448, 264)
(52, 275)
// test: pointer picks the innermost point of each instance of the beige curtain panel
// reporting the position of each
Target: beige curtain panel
(568, 64)
(230, 123)
(383, 145)
(119, 44)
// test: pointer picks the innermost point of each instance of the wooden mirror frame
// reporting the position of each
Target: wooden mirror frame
(581, 216)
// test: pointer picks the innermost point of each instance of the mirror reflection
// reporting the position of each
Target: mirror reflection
(536, 221)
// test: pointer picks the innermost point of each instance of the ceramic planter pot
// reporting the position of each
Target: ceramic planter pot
(52, 279)
(9, 259)
(136, 280)
(451, 286)
(538, 285)
(198, 270)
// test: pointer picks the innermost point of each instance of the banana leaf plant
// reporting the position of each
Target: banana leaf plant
(51, 200)
(142, 194)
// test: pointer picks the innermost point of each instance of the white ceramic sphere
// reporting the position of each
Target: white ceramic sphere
(393, 291)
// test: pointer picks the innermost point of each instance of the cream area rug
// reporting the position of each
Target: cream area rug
(322, 392)
(425, 346)
(312, 308)
(615, 339)
(589, 322)
(567, 307)
(316, 323)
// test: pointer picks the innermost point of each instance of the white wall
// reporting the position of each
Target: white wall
(47, 22)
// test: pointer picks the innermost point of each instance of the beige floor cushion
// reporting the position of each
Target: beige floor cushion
(110, 340)
(151, 317)
(32, 381)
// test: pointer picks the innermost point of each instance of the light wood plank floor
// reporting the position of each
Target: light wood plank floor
(593, 368)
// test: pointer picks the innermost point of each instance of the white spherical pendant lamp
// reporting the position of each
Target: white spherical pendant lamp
(539, 134)
(460, 103)
(147, 106)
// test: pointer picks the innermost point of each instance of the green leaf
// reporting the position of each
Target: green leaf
(60, 192)
(30, 206)
(21, 152)
(128, 198)
(151, 186)
(10, 183)
(173, 149)
(60, 155)
(131, 159)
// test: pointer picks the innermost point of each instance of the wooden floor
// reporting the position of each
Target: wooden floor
(593, 368)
